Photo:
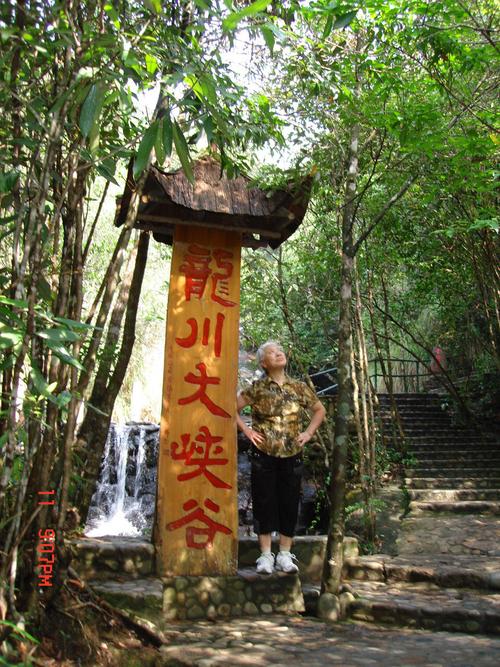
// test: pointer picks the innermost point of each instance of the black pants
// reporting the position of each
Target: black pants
(276, 484)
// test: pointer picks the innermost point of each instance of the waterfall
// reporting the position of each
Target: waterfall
(123, 503)
(140, 462)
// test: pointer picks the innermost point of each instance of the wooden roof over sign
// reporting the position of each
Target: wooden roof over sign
(169, 199)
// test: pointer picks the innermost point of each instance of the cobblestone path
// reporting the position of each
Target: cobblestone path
(286, 641)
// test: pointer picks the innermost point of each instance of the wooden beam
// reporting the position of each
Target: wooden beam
(148, 217)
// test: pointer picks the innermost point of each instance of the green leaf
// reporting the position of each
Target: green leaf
(107, 173)
(159, 149)
(44, 289)
(208, 126)
(113, 14)
(9, 337)
(63, 354)
(8, 180)
(492, 224)
(18, 303)
(19, 631)
(182, 150)
(107, 169)
(58, 335)
(3, 439)
(94, 138)
(151, 64)
(96, 409)
(41, 385)
(145, 148)
(328, 26)
(153, 6)
(233, 19)
(167, 135)
(8, 362)
(91, 108)
(269, 37)
(72, 323)
(64, 398)
(208, 89)
(344, 20)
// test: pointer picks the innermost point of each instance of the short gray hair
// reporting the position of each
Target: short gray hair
(262, 349)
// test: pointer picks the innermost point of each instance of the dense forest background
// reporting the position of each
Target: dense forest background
(386, 108)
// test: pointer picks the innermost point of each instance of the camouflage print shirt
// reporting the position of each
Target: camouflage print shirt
(278, 412)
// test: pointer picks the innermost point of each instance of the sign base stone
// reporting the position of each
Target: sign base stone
(247, 594)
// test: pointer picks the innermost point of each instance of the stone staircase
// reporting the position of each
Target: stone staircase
(449, 468)
(446, 575)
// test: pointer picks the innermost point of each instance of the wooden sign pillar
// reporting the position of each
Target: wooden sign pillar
(196, 527)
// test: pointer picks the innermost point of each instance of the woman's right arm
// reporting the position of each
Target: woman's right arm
(254, 437)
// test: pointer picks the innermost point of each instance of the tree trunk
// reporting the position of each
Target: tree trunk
(396, 424)
(367, 472)
(332, 569)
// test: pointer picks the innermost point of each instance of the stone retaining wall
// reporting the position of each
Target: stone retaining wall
(247, 594)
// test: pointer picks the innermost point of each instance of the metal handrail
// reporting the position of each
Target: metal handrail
(330, 388)
(416, 377)
(328, 370)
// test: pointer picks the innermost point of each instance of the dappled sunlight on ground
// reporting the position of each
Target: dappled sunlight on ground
(281, 640)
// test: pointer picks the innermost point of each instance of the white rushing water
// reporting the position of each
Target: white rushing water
(113, 510)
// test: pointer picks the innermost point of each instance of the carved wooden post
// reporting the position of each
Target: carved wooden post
(196, 529)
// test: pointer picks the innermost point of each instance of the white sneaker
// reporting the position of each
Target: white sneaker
(265, 564)
(284, 562)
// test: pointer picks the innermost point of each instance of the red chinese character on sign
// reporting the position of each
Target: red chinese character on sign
(212, 527)
(220, 281)
(203, 380)
(199, 454)
(196, 268)
(192, 337)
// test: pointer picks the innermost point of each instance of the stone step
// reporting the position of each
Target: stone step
(423, 416)
(190, 597)
(443, 571)
(418, 409)
(453, 472)
(386, 406)
(417, 419)
(453, 458)
(451, 449)
(475, 482)
(450, 434)
(454, 444)
(430, 453)
(429, 441)
(413, 397)
(142, 595)
(441, 536)
(432, 495)
(106, 557)
(461, 506)
(425, 606)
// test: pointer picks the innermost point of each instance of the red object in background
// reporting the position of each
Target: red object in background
(440, 357)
